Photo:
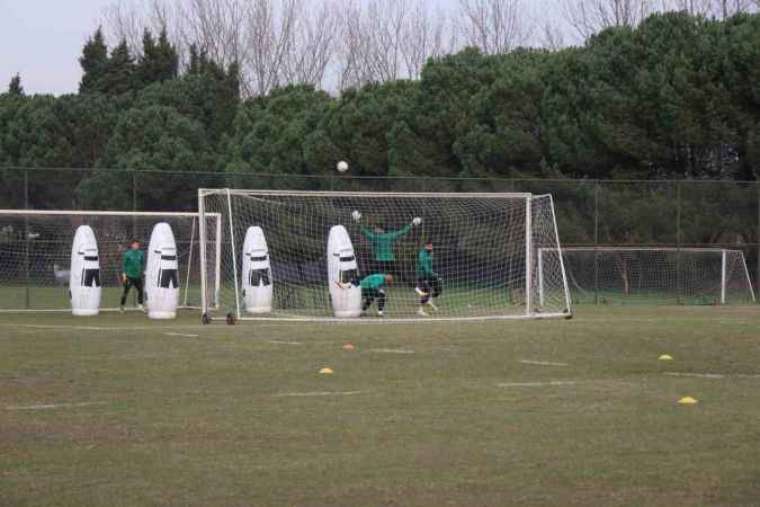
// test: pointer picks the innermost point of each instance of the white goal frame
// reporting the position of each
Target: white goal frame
(677, 250)
(159, 215)
(531, 310)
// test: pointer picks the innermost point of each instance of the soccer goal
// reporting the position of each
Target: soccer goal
(656, 275)
(275, 262)
(35, 254)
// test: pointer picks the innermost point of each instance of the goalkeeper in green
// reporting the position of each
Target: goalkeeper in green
(382, 243)
(373, 288)
(428, 281)
(131, 273)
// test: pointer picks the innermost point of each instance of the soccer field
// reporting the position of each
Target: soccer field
(117, 410)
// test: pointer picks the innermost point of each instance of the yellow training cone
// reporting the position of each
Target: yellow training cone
(326, 371)
(687, 400)
(666, 357)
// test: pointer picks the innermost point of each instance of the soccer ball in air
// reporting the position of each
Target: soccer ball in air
(342, 166)
(356, 215)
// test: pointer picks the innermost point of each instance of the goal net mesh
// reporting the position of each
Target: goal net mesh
(657, 275)
(482, 254)
(35, 255)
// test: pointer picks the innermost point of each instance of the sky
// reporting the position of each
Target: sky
(42, 40)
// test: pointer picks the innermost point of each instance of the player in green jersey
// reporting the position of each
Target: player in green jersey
(428, 281)
(133, 263)
(373, 288)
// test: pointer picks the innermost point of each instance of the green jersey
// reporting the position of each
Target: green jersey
(132, 263)
(382, 242)
(373, 282)
(425, 264)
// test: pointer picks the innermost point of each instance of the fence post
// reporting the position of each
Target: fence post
(678, 242)
(723, 276)
(134, 203)
(596, 242)
(27, 270)
(757, 245)
(134, 191)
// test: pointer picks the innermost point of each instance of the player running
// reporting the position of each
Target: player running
(382, 243)
(373, 287)
(428, 281)
(132, 264)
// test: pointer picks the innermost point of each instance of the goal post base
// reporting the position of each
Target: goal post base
(394, 320)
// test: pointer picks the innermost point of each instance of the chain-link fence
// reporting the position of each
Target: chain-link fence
(590, 213)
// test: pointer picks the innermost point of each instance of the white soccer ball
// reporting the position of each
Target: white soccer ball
(417, 221)
(356, 215)
(342, 166)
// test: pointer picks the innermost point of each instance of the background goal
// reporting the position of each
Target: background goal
(657, 275)
(35, 254)
(485, 249)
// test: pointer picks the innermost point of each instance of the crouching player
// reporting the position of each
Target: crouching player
(373, 288)
(428, 281)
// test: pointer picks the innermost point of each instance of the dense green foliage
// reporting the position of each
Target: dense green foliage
(677, 97)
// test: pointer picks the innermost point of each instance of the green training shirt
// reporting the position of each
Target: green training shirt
(373, 282)
(382, 242)
(132, 263)
(425, 264)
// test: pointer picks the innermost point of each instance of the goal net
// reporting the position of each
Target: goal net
(35, 254)
(657, 275)
(483, 263)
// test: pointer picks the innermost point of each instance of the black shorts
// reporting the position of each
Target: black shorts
(430, 285)
(382, 267)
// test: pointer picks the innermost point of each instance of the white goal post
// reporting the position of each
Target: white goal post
(625, 274)
(483, 262)
(35, 254)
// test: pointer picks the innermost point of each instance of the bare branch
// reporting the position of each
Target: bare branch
(552, 38)
(495, 26)
(214, 26)
(714, 8)
(588, 17)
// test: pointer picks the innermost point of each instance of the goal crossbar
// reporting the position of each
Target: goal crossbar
(204, 192)
(165, 214)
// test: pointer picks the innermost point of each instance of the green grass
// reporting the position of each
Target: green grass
(57, 297)
(223, 418)
(658, 297)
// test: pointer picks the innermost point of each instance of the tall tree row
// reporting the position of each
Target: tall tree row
(674, 97)
(337, 44)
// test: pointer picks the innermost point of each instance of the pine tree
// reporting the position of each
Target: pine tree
(15, 88)
(168, 56)
(194, 63)
(94, 62)
(148, 58)
(159, 62)
(233, 81)
(120, 74)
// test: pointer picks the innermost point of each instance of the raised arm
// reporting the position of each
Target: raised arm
(401, 232)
